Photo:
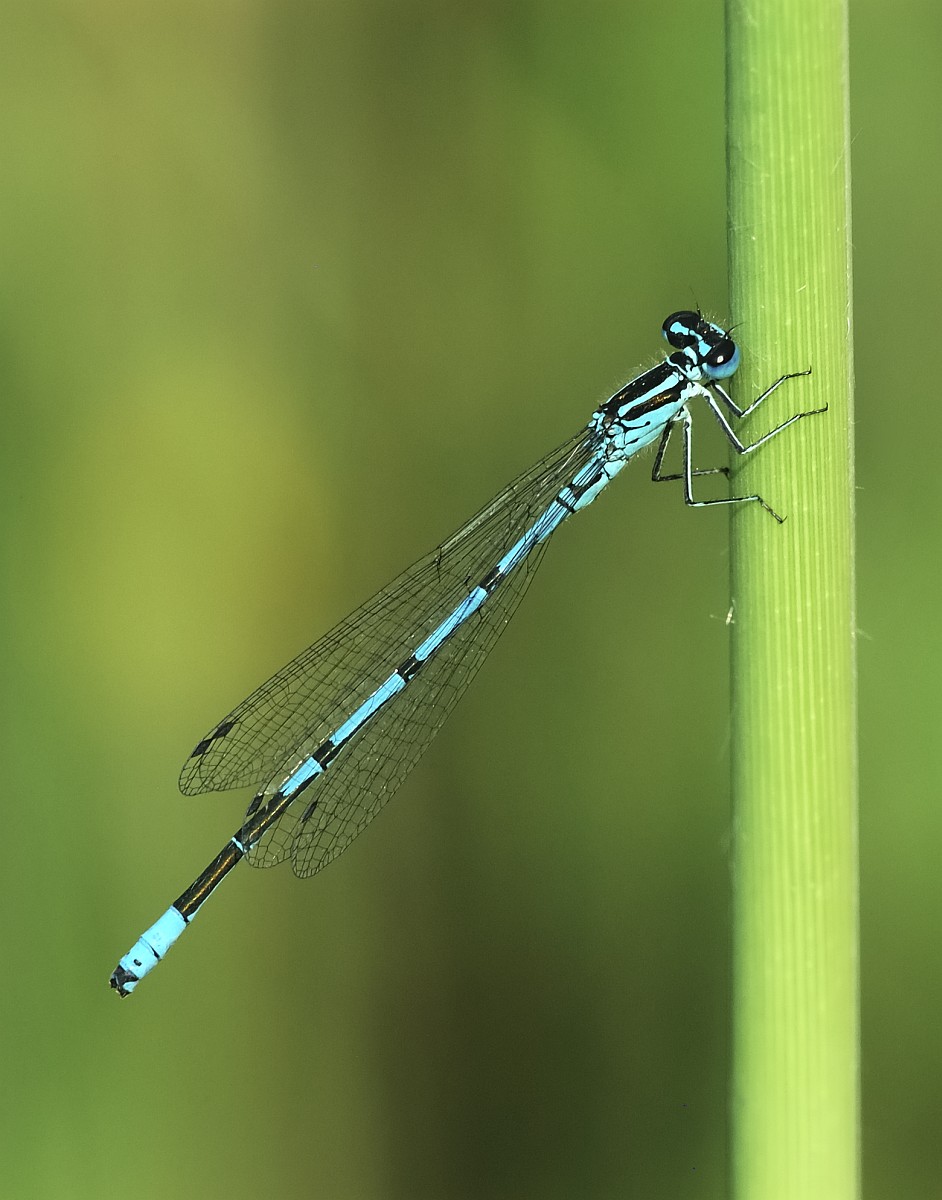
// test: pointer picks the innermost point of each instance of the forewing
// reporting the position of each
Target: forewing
(366, 775)
(260, 742)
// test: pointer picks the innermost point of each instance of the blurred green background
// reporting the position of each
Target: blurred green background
(288, 291)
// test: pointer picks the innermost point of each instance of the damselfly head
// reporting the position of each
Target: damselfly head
(707, 345)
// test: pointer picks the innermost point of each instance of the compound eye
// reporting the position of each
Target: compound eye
(680, 329)
(723, 359)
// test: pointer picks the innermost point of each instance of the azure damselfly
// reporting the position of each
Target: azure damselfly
(329, 739)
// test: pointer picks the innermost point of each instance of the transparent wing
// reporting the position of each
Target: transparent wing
(263, 740)
(360, 782)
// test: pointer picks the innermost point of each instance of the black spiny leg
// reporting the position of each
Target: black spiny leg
(657, 477)
(683, 418)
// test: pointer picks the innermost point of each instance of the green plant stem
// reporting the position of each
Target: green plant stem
(795, 1088)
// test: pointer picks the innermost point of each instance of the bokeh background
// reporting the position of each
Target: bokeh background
(288, 290)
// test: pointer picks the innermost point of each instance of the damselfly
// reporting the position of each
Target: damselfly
(329, 738)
